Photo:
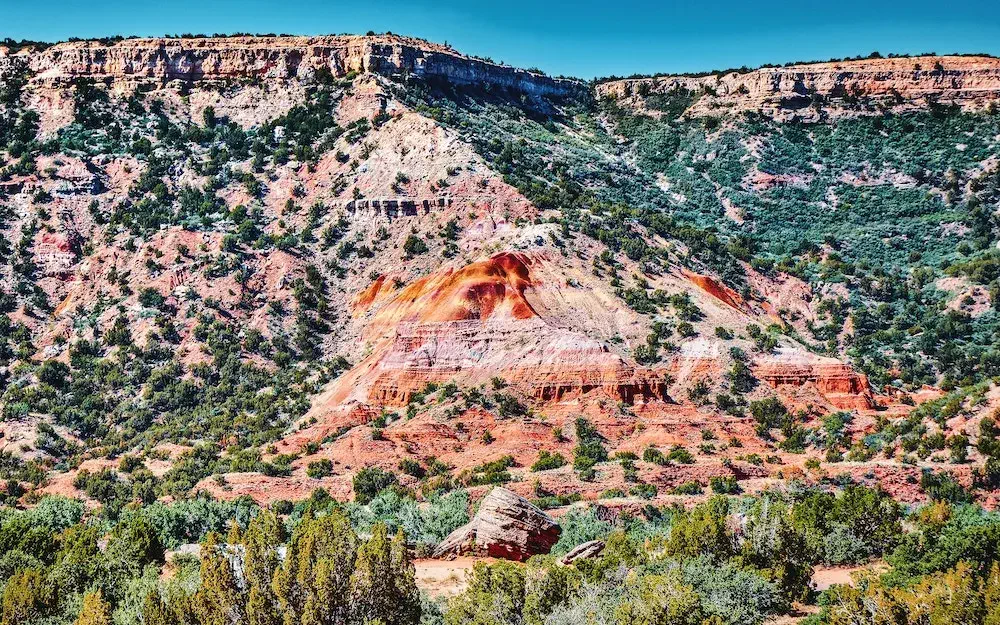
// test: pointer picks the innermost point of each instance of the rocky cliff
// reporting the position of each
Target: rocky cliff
(969, 81)
(273, 58)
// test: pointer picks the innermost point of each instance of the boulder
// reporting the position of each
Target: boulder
(590, 549)
(507, 526)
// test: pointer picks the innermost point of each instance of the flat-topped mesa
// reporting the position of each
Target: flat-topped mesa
(282, 58)
(969, 81)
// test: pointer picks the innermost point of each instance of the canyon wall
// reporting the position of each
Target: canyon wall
(969, 81)
(273, 58)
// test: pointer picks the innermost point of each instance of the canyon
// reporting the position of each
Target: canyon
(472, 322)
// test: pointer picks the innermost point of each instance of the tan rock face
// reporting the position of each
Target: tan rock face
(506, 526)
(969, 81)
(277, 58)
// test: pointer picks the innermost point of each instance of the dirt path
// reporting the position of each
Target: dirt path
(826, 576)
(444, 578)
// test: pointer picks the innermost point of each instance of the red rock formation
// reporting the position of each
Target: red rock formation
(717, 290)
(836, 381)
(475, 323)
(54, 253)
(368, 296)
(477, 291)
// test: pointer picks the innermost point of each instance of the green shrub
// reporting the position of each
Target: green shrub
(724, 485)
(547, 461)
(319, 468)
(370, 481)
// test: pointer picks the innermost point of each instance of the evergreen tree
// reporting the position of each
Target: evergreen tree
(383, 585)
(219, 600)
(26, 597)
(313, 586)
(95, 611)
(154, 610)
(134, 544)
(495, 596)
(78, 560)
(260, 541)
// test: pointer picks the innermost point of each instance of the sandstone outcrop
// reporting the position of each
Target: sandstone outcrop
(970, 81)
(584, 551)
(276, 58)
(507, 526)
(836, 381)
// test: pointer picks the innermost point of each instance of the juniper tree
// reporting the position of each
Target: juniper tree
(95, 610)
(313, 585)
(219, 600)
(383, 585)
(260, 541)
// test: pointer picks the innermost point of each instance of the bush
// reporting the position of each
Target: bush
(769, 413)
(412, 467)
(547, 461)
(589, 448)
(943, 487)
(680, 455)
(319, 468)
(414, 246)
(370, 481)
(654, 455)
(687, 488)
(644, 491)
(843, 546)
(724, 485)
(151, 298)
(493, 472)
(734, 594)
(580, 525)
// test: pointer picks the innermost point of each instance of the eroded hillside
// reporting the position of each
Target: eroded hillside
(263, 264)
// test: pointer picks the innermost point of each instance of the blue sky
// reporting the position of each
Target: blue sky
(584, 38)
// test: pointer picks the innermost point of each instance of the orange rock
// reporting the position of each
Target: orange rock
(836, 381)
(720, 291)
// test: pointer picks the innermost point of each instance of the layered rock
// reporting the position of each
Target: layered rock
(789, 369)
(478, 322)
(969, 81)
(507, 526)
(279, 58)
(583, 551)
(547, 364)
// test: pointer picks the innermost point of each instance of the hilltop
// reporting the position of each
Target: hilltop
(873, 85)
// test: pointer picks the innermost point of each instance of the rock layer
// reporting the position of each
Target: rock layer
(836, 381)
(281, 58)
(966, 80)
(506, 526)
(478, 322)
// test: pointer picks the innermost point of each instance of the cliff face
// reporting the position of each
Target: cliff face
(969, 81)
(274, 58)
(838, 383)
